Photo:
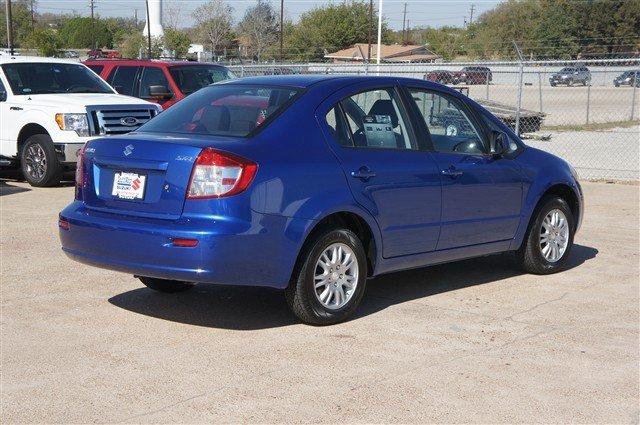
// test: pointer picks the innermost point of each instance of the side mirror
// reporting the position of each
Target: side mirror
(160, 93)
(499, 143)
(3, 96)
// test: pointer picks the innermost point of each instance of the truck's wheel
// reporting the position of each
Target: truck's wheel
(39, 163)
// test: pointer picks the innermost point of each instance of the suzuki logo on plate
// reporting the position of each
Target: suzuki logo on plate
(129, 121)
(128, 150)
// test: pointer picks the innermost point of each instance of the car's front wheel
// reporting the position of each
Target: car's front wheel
(164, 285)
(329, 281)
(549, 238)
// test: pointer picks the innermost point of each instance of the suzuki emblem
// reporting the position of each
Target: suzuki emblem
(128, 150)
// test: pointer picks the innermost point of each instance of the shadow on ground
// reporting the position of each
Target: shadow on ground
(250, 308)
(6, 188)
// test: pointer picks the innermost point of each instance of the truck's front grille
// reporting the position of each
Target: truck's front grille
(120, 120)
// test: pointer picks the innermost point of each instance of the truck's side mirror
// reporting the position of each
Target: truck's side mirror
(3, 94)
(160, 93)
(499, 143)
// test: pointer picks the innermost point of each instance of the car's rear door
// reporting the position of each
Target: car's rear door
(399, 185)
(481, 193)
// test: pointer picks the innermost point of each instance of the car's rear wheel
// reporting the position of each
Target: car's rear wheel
(39, 163)
(549, 238)
(329, 281)
(163, 285)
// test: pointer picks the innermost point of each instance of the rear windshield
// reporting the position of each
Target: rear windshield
(222, 110)
(47, 78)
(194, 77)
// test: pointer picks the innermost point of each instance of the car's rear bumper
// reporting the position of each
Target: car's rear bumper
(259, 252)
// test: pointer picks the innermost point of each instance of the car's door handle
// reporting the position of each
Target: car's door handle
(363, 173)
(452, 172)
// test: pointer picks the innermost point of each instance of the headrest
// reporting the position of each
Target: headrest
(385, 107)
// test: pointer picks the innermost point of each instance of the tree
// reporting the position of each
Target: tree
(21, 22)
(45, 41)
(213, 20)
(132, 45)
(446, 41)
(79, 32)
(334, 27)
(177, 42)
(260, 26)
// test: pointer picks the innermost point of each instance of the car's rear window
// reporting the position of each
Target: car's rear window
(223, 110)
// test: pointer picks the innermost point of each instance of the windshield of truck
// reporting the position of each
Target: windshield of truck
(194, 77)
(223, 110)
(567, 70)
(53, 78)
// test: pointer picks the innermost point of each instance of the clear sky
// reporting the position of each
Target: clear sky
(434, 13)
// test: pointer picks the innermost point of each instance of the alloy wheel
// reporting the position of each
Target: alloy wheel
(336, 276)
(36, 162)
(554, 235)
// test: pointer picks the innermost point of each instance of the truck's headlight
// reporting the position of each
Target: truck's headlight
(74, 122)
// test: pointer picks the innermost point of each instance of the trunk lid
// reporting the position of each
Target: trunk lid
(141, 174)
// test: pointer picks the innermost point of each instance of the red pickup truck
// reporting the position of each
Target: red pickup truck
(163, 82)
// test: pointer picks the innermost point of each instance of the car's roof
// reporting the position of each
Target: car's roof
(34, 59)
(306, 80)
(148, 62)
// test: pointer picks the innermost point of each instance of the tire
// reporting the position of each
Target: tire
(570, 83)
(553, 84)
(616, 84)
(39, 163)
(302, 295)
(530, 255)
(167, 286)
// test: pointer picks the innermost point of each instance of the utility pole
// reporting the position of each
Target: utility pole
(379, 47)
(149, 31)
(7, 4)
(404, 18)
(135, 16)
(93, 24)
(473, 7)
(408, 33)
(369, 32)
(281, 30)
(33, 17)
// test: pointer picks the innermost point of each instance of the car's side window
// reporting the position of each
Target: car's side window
(450, 127)
(123, 79)
(375, 120)
(152, 76)
(338, 127)
(96, 68)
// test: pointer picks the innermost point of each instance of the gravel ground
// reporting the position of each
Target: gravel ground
(604, 154)
(474, 341)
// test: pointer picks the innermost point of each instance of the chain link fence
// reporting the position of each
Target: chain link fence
(587, 112)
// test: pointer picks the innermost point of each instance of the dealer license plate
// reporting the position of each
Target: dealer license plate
(128, 185)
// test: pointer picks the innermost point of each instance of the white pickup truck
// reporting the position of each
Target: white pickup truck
(49, 108)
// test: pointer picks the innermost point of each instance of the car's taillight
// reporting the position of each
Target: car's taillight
(80, 173)
(217, 174)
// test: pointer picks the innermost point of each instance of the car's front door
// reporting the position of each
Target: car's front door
(398, 184)
(481, 193)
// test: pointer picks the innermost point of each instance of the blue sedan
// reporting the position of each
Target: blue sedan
(312, 185)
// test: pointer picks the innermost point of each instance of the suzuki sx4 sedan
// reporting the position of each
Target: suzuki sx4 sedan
(312, 185)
